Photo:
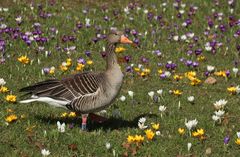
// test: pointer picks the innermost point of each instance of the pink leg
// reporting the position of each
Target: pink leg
(84, 121)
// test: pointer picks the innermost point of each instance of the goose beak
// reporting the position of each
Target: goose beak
(125, 40)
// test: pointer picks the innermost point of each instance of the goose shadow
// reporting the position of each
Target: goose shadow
(112, 123)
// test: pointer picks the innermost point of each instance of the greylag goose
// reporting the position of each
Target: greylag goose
(86, 92)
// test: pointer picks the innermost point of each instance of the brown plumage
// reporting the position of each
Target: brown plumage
(84, 92)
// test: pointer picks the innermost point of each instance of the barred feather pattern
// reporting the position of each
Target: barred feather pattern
(86, 92)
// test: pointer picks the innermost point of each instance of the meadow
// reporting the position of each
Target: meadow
(180, 95)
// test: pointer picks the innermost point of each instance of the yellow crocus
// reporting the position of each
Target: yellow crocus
(181, 131)
(11, 98)
(11, 118)
(149, 134)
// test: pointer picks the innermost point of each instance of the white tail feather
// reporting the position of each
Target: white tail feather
(50, 101)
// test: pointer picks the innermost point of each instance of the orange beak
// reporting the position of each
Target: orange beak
(125, 40)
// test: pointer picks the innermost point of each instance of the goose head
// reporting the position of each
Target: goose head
(118, 37)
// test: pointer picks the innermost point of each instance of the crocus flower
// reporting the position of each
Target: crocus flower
(191, 99)
(189, 146)
(108, 145)
(2, 82)
(226, 140)
(61, 127)
(130, 93)
(45, 152)
(11, 118)
(151, 94)
(11, 98)
(191, 124)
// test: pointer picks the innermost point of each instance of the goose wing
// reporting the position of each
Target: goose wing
(68, 88)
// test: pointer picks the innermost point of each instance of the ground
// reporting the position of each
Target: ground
(176, 42)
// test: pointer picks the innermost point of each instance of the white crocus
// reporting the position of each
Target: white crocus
(237, 89)
(210, 68)
(167, 73)
(238, 134)
(87, 20)
(160, 91)
(220, 104)
(189, 146)
(19, 19)
(183, 37)
(235, 71)
(158, 133)
(122, 98)
(61, 127)
(191, 99)
(141, 123)
(126, 10)
(151, 94)
(108, 145)
(191, 124)
(219, 113)
(142, 120)
(130, 93)
(208, 47)
(175, 38)
(142, 126)
(215, 118)
(2, 82)
(162, 108)
(45, 152)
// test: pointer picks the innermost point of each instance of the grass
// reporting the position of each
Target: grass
(26, 137)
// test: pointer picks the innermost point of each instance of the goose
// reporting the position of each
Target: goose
(86, 92)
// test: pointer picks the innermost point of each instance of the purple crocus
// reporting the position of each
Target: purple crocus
(88, 53)
(163, 75)
(129, 69)
(127, 58)
(226, 139)
(227, 73)
(198, 51)
(195, 64)
(188, 63)
(46, 70)
(81, 60)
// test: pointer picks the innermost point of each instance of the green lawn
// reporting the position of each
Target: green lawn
(50, 32)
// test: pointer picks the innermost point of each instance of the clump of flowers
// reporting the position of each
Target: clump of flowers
(177, 92)
(191, 124)
(234, 90)
(177, 77)
(141, 123)
(141, 71)
(48, 70)
(238, 139)
(11, 98)
(24, 59)
(149, 134)
(65, 65)
(219, 107)
(70, 114)
(3, 89)
(136, 138)
(222, 73)
(11, 118)
(80, 67)
(192, 77)
(199, 133)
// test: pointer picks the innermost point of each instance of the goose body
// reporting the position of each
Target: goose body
(84, 92)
